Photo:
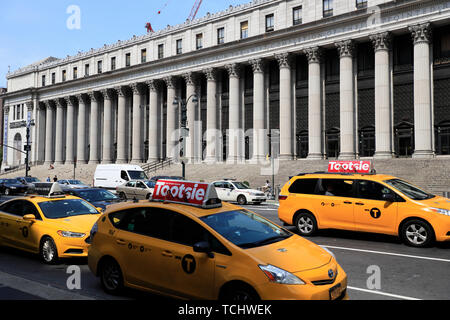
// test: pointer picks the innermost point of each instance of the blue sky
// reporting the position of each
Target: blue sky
(32, 30)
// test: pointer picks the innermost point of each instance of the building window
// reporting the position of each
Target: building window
(297, 16)
(199, 41)
(327, 8)
(75, 73)
(64, 75)
(161, 51)
(128, 60)
(270, 23)
(179, 46)
(113, 63)
(143, 55)
(18, 112)
(86, 70)
(220, 35)
(43, 80)
(53, 78)
(443, 138)
(244, 30)
(360, 4)
(100, 66)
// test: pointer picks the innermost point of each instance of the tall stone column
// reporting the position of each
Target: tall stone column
(121, 126)
(136, 156)
(107, 125)
(286, 132)
(70, 134)
(383, 108)
(235, 136)
(81, 133)
(94, 132)
(212, 139)
(59, 142)
(49, 133)
(423, 112)
(171, 126)
(153, 154)
(314, 103)
(259, 131)
(347, 100)
(191, 106)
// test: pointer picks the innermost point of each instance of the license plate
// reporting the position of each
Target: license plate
(335, 292)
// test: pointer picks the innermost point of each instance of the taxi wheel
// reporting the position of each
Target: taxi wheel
(306, 224)
(48, 251)
(417, 233)
(242, 200)
(111, 277)
(240, 293)
(7, 192)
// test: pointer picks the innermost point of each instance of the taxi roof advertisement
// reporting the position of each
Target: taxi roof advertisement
(193, 193)
(349, 167)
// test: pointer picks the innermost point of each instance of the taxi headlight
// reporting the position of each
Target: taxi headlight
(70, 234)
(281, 276)
(441, 211)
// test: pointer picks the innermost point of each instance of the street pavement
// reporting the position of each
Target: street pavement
(405, 273)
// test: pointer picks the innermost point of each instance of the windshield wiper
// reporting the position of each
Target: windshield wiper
(265, 241)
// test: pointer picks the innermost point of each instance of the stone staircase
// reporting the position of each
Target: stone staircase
(432, 175)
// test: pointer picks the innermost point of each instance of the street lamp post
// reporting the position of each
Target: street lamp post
(184, 130)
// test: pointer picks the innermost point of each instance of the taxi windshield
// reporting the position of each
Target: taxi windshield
(245, 229)
(409, 190)
(66, 208)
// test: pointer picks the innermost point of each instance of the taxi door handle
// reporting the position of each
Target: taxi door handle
(167, 254)
(347, 202)
(359, 204)
(121, 242)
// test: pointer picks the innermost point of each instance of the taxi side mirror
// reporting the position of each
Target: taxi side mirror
(204, 247)
(29, 217)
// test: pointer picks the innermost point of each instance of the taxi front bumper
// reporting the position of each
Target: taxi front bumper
(309, 291)
(72, 247)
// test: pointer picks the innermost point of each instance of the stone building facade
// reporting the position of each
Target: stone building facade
(307, 79)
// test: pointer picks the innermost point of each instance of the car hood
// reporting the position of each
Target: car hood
(103, 204)
(295, 254)
(437, 202)
(78, 223)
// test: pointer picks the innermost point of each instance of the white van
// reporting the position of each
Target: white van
(110, 176)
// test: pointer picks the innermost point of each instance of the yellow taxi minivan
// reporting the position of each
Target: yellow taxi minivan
(372, 203)
(208, 250)
(55, 226)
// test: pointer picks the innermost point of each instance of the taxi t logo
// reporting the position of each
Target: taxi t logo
(74, 281)
(188, 263)
(375, 213)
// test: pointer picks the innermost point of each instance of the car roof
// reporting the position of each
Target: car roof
(375, 177)
(186, 209)
(40, 199)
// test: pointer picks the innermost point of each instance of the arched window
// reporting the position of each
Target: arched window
(333, 142)
(367, 141)
(404, 139)
(17, 159)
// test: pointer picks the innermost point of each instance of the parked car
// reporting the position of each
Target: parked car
(72, 184)
(110, 176)
(100, 198)
(12, 186)
(234, 191)
(139, 190)
(30, 181)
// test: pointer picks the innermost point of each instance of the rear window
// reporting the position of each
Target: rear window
(304, 186)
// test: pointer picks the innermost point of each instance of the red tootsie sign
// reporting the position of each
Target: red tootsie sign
(349, 167)
(194, 193)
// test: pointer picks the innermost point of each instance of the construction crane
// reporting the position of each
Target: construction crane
(195, 9)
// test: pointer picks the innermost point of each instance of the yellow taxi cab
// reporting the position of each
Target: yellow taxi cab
(54, 226)
(186, 244)
(365, 202)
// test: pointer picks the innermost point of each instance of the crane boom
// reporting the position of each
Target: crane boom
(195, 9)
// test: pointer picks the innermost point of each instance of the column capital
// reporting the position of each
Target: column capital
(107, 94)
(190, 78)
(136, 88)
(93, 96)
(257, 65)
(284, 60)
(314, 54)
(234, 70)
(6, 109)
(60, 103)
(381, 41)
(82, 98)
(346, 48)
(153, 85)
(121, 91)
(30, 106)
(170, 82)
(211, 74)
(70, 101)
(421, 33)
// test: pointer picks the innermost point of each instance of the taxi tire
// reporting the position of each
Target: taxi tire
(48, 240)
(240, 293)
(418, 223)
(308, 217)
(111, 265)
(242, 200)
